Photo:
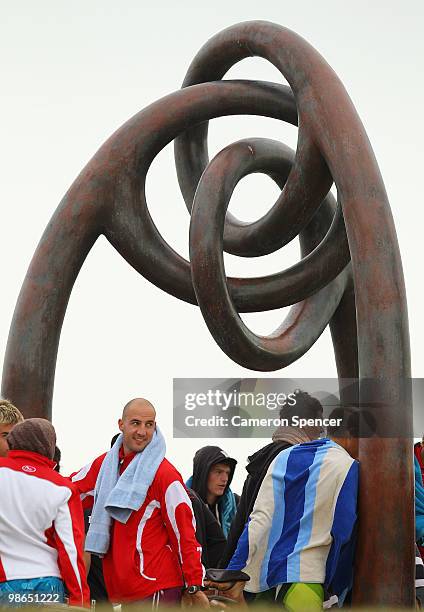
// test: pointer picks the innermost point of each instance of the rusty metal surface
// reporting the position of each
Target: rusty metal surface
(350, 275)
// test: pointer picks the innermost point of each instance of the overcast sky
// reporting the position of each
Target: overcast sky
(73, 72)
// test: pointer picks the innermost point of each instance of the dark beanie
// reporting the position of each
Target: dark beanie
(34, 435)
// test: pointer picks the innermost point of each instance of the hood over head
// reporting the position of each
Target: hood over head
(203, 460)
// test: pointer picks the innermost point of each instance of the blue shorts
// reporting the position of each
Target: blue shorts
(31, 592)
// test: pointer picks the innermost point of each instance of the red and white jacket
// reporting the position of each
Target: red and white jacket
(41, 524)
(157, 547)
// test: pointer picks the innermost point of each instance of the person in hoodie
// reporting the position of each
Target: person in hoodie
(306, 407)
(213, 471)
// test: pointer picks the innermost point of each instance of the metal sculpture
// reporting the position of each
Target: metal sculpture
(350, 274)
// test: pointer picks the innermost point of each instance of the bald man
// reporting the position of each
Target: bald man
(142, 521)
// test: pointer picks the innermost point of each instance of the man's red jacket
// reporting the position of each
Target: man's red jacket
(157, 547)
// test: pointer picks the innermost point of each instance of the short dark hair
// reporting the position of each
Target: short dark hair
(306, 407)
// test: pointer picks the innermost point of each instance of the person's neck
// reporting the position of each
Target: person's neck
(127, 451)
(211, 499)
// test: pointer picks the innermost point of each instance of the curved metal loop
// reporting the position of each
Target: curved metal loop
(306, 320)
(134, 233)
(294, 284)
(328, 118)
(307, 184)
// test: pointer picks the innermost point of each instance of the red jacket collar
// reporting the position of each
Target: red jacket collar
(30, 456)
(125, 460)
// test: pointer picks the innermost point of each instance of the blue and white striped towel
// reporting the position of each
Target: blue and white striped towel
(303, 520)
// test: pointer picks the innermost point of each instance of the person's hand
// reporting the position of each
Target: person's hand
(197, 600)
(232, 590)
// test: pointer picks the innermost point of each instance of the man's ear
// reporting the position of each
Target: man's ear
(120, 424)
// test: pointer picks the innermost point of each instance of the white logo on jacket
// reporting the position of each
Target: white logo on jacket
(29, 468)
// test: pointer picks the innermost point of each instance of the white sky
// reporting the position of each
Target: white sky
(72, 72)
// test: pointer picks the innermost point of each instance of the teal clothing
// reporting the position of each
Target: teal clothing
(419, 503)
(32, 592)
(227, 507)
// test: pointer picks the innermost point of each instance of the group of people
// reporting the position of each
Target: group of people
(126, 528)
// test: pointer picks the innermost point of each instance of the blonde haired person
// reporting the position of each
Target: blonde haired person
(9, 417)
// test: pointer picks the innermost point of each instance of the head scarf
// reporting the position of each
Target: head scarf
(34, 435)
